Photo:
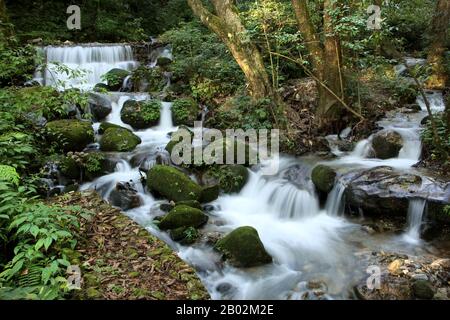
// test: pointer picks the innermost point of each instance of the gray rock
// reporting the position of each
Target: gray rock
(387, 144)
(125, 196)
(99, 105)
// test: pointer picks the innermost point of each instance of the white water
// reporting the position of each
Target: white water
(93, 60)
(416, 212)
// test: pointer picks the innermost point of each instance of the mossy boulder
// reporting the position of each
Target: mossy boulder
(387, 144)
(99, 106)
(115, 78)
(184, 235)
(172, 184)
(323, 178)
(230, 178)
(210, 193)
(119, 140)
(185, 112)
(163, 62)
(100, 87)
(240, 153)
(106, 125)
(190, 203)
(183, 216)
(86, 165)
(70, 168)
(141, 114)
(243, 248)
(423, 289)
(70, 135)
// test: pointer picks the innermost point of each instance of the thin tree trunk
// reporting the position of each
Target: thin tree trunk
(440, 24)
(4, 20)
(227, 24)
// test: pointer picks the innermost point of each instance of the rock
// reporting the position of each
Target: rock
(323, 178)
(141, 114)
(172, 184)
(413, 107)
(230, 178)
(185, 111)
(423, 289)
(125, 196)
(183, 216)
(100, 87)
(243, 248)
(190, 203)
(419, 276)
(71, 135)
(381, 190)
(177, 137)
(106, 125)
(394, 267)
(100, 106)
(210, 193)
(441, 263)
(184, 235)
(115, 78)
(387, 144)
(119, 140)
(36, 119)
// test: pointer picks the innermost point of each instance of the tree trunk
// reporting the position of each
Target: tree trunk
(3, 18)
(227, 24)
(326, 61)
(439, 77)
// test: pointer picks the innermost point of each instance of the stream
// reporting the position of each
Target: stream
(310, 243)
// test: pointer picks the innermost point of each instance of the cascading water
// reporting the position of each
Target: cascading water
(93, 60)
(416, 212)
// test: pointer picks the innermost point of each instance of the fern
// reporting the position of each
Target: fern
(9, 174)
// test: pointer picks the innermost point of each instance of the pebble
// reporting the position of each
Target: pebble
(395, 266)
(419, 276)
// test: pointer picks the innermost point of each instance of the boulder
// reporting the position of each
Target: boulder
(141, 114)
(71, 135)
(163, 61)
(229, 178)
(387, 144)
(183, 216)
(184, 235)
(210, 193)
(106, 125)
(115, 78)
(100, 87)
(323, 178)
(99, 105)
(243, 248)
(119, 140)
(172, 184)
(185, 111)
(125, 196)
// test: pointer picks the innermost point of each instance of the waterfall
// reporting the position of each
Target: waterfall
(165, 122)
(335, 202)
(435, 98)
(93, 60)
(416, 212)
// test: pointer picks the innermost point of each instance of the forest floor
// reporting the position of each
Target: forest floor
(120, 260)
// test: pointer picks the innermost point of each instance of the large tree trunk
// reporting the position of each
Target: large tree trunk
(439, 78)
(326, 61)
(227, 24)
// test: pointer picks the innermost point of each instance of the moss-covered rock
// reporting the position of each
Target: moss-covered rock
(115, 78)
(99, 106)
(141, 114)
(210, 193)
(185, 111)
(163, 61)
(106, 125)
(243, 248)
(70, 135)
(190, 203)
(100, 87)
(183, 216)
(323, 178)
(184, 235)
(387, 144)
(70, 168)
(84, 165)
(172, 184)
(119, 140)
(177, 137)
(230, 178)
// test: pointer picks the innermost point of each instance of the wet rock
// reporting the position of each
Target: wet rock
(395, 267)
(323, 178)
(441, 263)
(100, 87)
(119, 140)
(210, 193)
(70, 135)
(423, 289)
(381, 190)
(419, 276)
(387, 144)
(190, 203)
(413, 107)
(36, 119)
(172, 184)
(163, 61)
(243, 248)
(106, 125)
(183, 216)
(99, 105)
(115, 78)
(125, 196)
(141, 114)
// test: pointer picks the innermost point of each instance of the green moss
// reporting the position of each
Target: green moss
(190, 203)
(119, 140)
(323, 178)
(70, 135)
(106, 125)
(172, 184)
(115, 78)
(183, 216)
(243, 248)
(210, 193)
(141, 114)
(184, 235)
(185, 111)
(232, 178)
(70, 168)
